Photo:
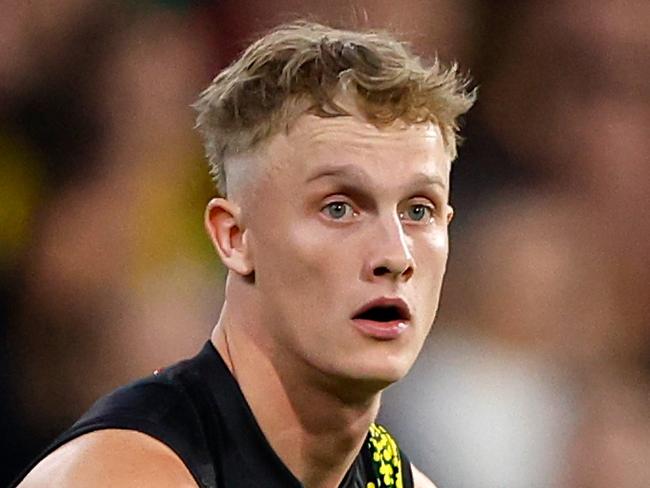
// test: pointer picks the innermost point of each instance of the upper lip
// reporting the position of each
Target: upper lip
(398, 303)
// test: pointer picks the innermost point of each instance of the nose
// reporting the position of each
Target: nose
(390, 256)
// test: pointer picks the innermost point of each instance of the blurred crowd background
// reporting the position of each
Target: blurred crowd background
(537, 372)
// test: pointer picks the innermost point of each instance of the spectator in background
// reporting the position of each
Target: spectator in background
(109, 263)
(563, 110)
(45, 130)
(571, 98)
(113, 257)
(446, 28)
(611, 446)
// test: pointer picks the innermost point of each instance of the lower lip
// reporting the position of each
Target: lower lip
(381, 330)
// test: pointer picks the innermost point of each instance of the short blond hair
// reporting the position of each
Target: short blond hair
(300, 67)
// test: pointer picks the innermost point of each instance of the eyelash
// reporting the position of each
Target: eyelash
(339, 202)
(429, 208)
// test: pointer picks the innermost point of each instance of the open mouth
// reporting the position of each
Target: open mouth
(383, 313)
(383, 318)
(384, 310)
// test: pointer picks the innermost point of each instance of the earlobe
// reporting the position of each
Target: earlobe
(228, 235)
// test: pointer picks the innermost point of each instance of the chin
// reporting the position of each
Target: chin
(386, 374)
(372, 375)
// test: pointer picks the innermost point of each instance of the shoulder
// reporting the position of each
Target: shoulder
(420, 480)
(147, 433)
(111, 457)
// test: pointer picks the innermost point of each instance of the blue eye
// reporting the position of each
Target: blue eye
(337, 210)
(418, 213)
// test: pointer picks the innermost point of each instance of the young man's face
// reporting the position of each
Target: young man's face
(341, 215)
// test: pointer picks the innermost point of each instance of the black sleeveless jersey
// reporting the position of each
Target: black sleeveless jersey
(197, 409)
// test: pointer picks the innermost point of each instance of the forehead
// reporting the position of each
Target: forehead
(383, 152)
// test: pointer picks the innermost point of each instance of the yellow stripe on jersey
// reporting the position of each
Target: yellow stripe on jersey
(386, 462)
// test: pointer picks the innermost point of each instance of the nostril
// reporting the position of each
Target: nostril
(381, 271)
(408, 272)
(385, 270)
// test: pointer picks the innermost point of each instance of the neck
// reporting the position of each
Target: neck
(316, 431)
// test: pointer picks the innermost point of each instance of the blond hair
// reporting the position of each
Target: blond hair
(300, 67)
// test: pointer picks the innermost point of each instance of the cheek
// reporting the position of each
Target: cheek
(298, 258)
(319, 258)
(431, 261)
(432, 252)
(440, 237)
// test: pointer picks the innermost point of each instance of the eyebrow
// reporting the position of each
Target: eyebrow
(425, 179)
(339, 171)
(349, 171)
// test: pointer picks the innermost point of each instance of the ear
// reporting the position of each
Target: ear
(228, 235)
(450, 214)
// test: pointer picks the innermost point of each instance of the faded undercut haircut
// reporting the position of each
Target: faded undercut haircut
(300, 67)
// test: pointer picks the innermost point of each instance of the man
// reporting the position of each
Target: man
(332, 152)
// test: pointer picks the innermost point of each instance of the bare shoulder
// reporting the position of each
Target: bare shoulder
(111, 457)
(420, 480)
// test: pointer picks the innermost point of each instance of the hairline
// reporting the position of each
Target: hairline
(258, 155)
